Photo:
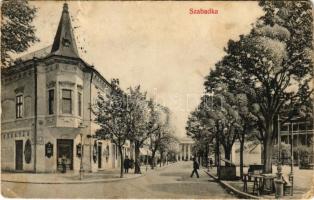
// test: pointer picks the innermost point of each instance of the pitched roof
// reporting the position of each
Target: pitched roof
(64, 42)
(41, 53)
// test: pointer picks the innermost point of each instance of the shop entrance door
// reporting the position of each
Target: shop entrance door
(19, 155)
(99, 155)
(65, 150)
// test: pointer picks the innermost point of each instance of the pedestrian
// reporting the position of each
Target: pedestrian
(126, 164)
(195, 168)
(211, 163)
(63, 163)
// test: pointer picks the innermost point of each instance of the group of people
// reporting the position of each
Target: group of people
(127, 164)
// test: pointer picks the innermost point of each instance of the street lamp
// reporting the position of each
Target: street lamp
(278, 140)
(81, 148)
(278, 181)
(81, 163)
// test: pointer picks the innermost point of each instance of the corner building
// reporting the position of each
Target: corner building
(45, 98)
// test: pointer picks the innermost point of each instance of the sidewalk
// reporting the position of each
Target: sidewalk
(108, 175)
(303, 184)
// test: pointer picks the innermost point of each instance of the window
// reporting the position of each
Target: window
(79, 103)
(66, 101)
(50, 101)
(19, 106)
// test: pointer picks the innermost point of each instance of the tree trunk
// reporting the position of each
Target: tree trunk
(121, 161)
(241, 155)
(153, 159)
(137, 167)
(268, 147)
(206, 154)
(268, 152)
(227, 155)
(216, 157)
(161, 157)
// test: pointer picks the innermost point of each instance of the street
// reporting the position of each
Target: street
(172, 181)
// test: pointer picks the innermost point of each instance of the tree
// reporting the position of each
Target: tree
(227, 123)
(160, 136)
(111, 111)
(248, 125)
(200, 129)
(218, 116)
(276, 63)
(143, 121)
(231, 79)
(165, 144)
(17, 31)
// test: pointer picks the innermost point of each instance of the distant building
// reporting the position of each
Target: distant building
(300, 129)
(185, 149)
(299, 132)
(46, 98)
(252, 153)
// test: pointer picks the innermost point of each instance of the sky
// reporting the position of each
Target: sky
(158, 45)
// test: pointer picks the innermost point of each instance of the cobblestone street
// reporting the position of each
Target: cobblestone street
(172, 181)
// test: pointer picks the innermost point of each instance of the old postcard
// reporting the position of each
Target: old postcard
(157, 99)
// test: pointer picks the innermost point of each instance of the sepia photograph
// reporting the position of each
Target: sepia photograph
(157, 99)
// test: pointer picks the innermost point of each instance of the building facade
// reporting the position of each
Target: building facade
(299, 132)
(185, 149)
(46, 100)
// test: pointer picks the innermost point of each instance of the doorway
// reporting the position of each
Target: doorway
(19, 155)
(99, 155)
(65, 149)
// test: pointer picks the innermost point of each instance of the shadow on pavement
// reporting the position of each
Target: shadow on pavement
(188, 189)
(173, 174)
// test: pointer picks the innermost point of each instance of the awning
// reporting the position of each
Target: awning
(144, 152)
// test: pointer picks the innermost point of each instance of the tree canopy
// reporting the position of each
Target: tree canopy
(266, 75)
(17, 31)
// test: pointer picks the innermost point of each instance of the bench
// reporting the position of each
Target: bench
(255, 169)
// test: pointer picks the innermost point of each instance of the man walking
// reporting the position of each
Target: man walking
(211, 163)
(126, 164)
(195, 168)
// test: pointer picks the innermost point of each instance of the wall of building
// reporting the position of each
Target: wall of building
(251, 154)
(20, 82)
(57, 75)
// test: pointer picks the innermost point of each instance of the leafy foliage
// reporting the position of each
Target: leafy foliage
(111, 111)
(162, 138)
(17, 31)
(265, 74)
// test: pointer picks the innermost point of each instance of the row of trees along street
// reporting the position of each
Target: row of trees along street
(132, 116)
(122, 116)
(263, 81)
